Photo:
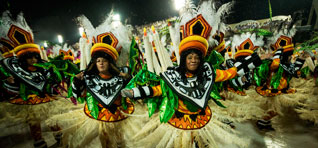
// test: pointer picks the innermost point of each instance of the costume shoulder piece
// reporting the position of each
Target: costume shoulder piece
(105, 91)
(192, 90)
(34, 79)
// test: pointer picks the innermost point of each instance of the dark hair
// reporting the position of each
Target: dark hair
(92, 69)
(182, 69)
(23, 59)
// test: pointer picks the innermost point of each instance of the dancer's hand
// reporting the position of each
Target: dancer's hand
(10, 79)
(125, 75)
(127, 93)
(80, 76)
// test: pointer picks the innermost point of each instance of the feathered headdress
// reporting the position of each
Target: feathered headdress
(109, 38)
(282, 37)
(246, 43)
(66, 50)
(198, 27)
(16, 36)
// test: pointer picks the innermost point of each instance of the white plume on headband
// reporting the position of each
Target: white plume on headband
(120, 31)
(210, 14)
(238, 39)
(7, 21)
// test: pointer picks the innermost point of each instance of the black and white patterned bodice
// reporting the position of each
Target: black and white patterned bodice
(105, 91)
(191, 90)
(35, 79)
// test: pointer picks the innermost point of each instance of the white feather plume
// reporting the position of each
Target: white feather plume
(8, 20)
(282, 31)
(120, 31)
(210, 14)
(56, 48)
(238, 39)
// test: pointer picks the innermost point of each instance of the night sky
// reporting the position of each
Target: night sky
(47, 19)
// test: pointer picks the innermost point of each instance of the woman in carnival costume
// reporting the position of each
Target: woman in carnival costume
(31, 88)
(276, 75)
(241, 105)
(105, 121)
(183, 94)
(245, 45)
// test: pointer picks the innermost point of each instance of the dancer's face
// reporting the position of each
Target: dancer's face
(31, 60)
(102, 65)
(192, 61)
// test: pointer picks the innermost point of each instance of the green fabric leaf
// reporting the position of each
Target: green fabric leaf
(22, 91)
(305, 72)
(191, 107)
(257, 78)
(72, 68)
(92, 105)
(289, 77)
(48, 88)
(48, 66)
(70, 90)
(133, 56)
(261, 72)
(80, 99)
(215, 92)
(152, 105)
(166, 109)
(124, 103)
(277, 77)
(215, 58)
(219, 103)
(142, 78)
(4, 72)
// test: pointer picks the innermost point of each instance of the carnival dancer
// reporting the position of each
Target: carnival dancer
(245, 45)
(104, 122)
(32, 88)
(278, 75)
(185, 91)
